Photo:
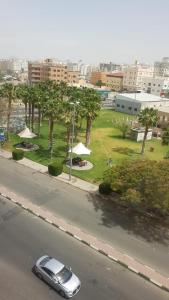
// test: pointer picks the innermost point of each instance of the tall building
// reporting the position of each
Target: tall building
(51, 70)
(161, 68)
(13, 65)
(134, 75)
(109, 67)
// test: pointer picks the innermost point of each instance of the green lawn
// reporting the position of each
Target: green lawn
(106, 142)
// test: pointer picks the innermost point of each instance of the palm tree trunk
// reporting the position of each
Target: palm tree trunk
(26, 116)
(8, 117)
(51, 124)
(29, 114)
(33, 116)
(144, 141)
(88, 130)
(39, 120)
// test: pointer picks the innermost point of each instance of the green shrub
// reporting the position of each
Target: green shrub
(105, 188)
(167, 155)
(55, 168)
(17, 154)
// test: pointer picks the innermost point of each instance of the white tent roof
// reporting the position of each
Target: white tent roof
(80, 149)
(27, 133)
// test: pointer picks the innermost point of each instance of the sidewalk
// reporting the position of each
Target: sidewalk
(84, 237)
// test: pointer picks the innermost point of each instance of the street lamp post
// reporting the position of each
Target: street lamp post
(71, 144)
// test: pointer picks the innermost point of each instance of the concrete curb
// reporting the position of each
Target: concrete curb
(122, 263)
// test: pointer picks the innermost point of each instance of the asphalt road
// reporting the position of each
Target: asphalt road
(23, 238)
(145, 242)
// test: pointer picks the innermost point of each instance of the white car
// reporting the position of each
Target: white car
(57, 275)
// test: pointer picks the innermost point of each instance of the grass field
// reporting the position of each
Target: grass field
(106, 142)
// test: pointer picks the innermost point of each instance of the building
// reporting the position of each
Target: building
(137, 134)
(161, 68)
(132, 103)
(134, 75)
(114, 81)
(163, 114)
(109, 67)
(51, 70)
(98, 76)
(13, 65)
(156, 85)
(73, 77)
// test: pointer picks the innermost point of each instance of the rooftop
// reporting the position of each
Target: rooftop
(141, 97)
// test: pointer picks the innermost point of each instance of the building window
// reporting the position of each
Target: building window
(118, 105)
(158, 84)
(135, 109)
(149, 84)
(129, 107)
(154, 84)
(122, 106)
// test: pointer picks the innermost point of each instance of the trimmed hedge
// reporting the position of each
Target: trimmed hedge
(105, 188)
(17, 154)
(55, 168)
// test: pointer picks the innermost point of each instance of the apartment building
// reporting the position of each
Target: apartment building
(114, 81)
(156, 85)
(134, 75)
(50, 70)
(161, 68)
(98, 76)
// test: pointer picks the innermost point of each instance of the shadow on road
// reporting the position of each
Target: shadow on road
(145, 226)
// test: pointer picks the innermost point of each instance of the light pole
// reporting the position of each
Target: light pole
(71, 144)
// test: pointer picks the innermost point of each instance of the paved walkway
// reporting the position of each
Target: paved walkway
(84, 237)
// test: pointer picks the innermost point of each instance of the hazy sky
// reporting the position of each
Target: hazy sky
(91, 30)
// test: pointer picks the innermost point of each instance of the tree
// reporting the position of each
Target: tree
(99, 83)
(53, 108)
(148, 118)
(165, 136)
(123, 125)
(142, 182)
(8, 91)
(90, 105)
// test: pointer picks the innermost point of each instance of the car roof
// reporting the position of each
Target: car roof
(54, 265)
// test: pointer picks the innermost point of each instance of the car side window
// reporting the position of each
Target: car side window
(50, 273)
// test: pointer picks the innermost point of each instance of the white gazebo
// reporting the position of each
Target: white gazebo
(80, 149)
(27, 133)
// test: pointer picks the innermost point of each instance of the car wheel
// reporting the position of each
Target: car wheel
(62, 294)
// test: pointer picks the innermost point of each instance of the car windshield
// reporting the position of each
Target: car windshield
(64, 275)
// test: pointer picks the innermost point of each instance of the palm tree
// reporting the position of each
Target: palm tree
(90, 105)
(22, 93)
(148, 118)
(8, 91)
(53, 109)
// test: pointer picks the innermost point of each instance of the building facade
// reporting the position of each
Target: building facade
(161, 68)
(98, 76)
(50, 70)
(156, 85)
(133, 103)
(134, 75)
(114, 81)
(109, 67)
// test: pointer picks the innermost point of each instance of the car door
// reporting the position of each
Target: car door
(47, 275)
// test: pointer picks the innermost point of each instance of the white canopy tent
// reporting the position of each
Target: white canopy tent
(80, 149)
(27, 133)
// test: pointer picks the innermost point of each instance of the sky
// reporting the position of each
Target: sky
(89, 30)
